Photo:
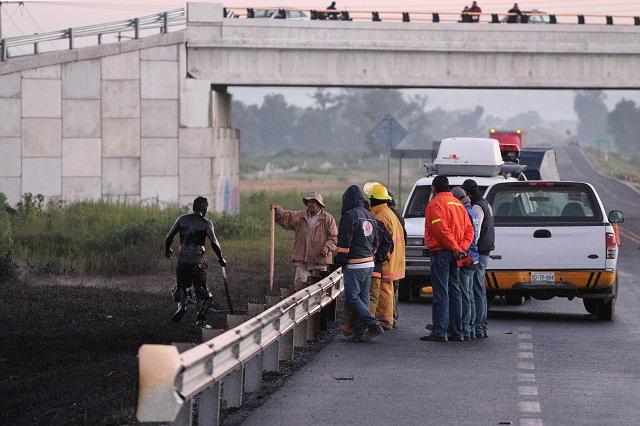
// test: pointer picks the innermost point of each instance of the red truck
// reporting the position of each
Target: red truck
(510, 141)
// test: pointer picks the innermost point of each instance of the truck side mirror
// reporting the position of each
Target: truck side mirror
(616, 216)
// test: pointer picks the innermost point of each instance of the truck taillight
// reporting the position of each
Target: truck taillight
(612, 246)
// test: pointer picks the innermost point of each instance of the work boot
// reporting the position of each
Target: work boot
(433, 338)
(372, 331)
(179, 314)
(203, 324)
(346, 330)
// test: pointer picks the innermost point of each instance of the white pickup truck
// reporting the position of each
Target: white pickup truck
(554, 239)
(459, 159)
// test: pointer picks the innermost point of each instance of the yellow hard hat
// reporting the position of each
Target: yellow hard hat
(379, 192)
(368, 187)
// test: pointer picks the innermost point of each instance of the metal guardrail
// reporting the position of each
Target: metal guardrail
(169, 381)
(162, 21)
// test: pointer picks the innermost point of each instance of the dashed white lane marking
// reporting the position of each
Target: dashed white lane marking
(526, 377)
(530, 422)
(529, 406)
(528, 390)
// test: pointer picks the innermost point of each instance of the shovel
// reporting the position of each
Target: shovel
(226, 290)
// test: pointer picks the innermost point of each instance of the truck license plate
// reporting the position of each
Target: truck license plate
(543, 278)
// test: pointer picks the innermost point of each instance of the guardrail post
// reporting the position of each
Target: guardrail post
(609, 20)
(287, 348)
(435, 18)
(375, 17)
(406, 17)
(99, 39)
(209, 406)
(3, 50)
(234, 382)
(185, 416)
(636, 20)
(271, 355)
(553, 19)
(136, 28)
(253, 369)
(581, 20)
(70, 35)
(233, 388)
(300, 331)
(313, 327)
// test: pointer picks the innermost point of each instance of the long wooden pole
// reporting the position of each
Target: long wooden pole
(272, 258)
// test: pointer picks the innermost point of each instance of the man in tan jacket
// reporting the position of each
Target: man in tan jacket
(316, 235)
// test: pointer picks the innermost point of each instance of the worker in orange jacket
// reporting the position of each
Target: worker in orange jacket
(382, 290)
(448, 234)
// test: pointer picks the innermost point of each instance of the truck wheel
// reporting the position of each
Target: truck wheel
(605, 309)
(590, 305)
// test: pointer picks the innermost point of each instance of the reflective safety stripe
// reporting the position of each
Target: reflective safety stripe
(454, 203)
(436, 221)
(343, 250)
(392, 276)
(361, 260)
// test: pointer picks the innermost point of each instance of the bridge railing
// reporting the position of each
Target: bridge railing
(162, 21)
(388, 15)
(225, 366)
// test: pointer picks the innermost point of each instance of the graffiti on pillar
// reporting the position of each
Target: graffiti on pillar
(230, 197)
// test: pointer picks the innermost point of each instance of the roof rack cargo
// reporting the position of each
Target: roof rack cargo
(468, 157)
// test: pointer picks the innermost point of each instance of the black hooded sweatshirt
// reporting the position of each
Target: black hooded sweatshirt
(357, 233)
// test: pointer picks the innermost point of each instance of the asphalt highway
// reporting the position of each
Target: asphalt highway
(544, 363)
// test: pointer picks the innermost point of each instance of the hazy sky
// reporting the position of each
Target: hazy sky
(43, 16)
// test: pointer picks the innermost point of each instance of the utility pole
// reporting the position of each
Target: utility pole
(19, 3)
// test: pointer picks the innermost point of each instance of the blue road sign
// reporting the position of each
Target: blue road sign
(389, 132)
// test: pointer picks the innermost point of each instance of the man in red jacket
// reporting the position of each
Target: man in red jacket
(448, 234)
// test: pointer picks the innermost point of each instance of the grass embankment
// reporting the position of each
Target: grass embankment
(96, 288)
(621, 167)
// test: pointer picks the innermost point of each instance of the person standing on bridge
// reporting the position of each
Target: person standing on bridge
(357, 243)
(316, 234)
(382, 290)
(474, 12)
(191, 268)
(485, 243)
(448, 234)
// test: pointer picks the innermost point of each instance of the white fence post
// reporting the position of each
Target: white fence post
(253, 369)
(233, 388)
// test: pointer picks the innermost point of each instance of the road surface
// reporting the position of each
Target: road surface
(546, 362)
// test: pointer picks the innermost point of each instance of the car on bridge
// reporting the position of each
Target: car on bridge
(553, 239)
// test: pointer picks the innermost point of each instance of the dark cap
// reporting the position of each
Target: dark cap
(471, 186)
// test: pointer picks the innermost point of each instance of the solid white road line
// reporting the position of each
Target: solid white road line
(527, 390)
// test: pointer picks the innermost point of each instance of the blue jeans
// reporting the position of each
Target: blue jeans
(480, 294)
(447, 297)
(356, 295)
(468, 301)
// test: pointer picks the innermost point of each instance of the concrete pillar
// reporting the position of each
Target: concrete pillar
(220, 109)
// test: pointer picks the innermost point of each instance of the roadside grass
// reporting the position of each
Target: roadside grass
(103, 238)
(624, 168)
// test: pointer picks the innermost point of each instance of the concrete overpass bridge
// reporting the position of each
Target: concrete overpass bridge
(149, 119)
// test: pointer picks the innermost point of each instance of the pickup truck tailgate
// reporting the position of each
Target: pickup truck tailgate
(548, 248)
